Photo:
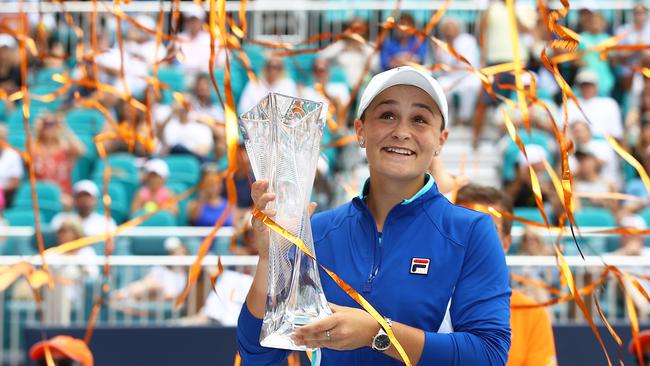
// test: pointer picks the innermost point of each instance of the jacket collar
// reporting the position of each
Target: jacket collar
(428, 191)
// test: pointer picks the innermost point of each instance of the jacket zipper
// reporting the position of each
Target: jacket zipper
(375, 264)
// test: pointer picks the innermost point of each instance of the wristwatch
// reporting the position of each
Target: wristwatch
(381, 342)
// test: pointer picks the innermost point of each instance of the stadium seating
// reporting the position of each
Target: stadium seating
(174, 78)
(530, 213)
(85, 121)
(48, 195)
(123, 170)
(119, 201)
(184, 169)
(160, 218)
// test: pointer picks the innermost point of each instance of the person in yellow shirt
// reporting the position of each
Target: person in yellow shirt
(532, 334)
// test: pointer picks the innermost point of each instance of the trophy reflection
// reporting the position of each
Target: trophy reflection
(282, 135)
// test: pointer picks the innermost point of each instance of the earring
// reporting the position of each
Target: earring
(436, 153)
(361, 142)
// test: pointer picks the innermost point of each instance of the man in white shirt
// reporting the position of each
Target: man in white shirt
(603, 113)
(352, 52)
(195, 44)
(463, 84)
(273, 79)
(334, 94)
(11, 168)
(139, 54)
(85, 204)
(183, 133)
(207, 109)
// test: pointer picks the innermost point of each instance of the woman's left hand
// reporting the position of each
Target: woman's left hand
(346, 329)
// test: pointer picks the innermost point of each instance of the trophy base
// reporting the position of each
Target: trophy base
(282, 337)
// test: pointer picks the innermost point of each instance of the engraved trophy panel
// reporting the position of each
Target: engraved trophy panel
(282, 135)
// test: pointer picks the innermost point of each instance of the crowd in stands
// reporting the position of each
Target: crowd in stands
(185, 119)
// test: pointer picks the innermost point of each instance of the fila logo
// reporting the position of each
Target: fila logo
(420, 266)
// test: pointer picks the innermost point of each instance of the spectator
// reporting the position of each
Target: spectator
(68, 230)
(10, 79)
(589, 180)
(195, 44)
(640, 110)
(352, 52)
(56, 150)
(11, 168)
(532, 243)
(243, 178)
(602, 112)
(273, 79)
(466, 86)
(210, 205)
(130, 120)
(161, 283)
(403, 48)
(85, 210)
(496, 48)
(635, 33)
(154, 194)
(335, 94)
(203, 105)
(520, 188)
(583, 140)
(183, 133)
(594, 34)
(137, 56)
(224, 303)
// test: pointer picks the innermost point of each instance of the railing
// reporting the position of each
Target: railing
(17, 309)
(296, 20)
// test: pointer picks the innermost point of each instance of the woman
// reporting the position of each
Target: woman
(154, 192)
(55, 152)
(209, 206)
(372, 241)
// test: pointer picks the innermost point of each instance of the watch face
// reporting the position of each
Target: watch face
(382, 342)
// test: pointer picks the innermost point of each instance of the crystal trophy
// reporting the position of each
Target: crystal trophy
(282, 135)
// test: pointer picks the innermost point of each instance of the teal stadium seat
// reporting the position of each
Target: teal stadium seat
(178, 188)
(184, 169)
(85, 121)
(174, 78)
(595, 216)
(18, 245)
(48, 195)
(530, 213)
(160, 218)
(119, 201)
(123, 170)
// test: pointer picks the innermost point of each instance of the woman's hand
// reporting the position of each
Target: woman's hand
(346, 329)
(261, 199)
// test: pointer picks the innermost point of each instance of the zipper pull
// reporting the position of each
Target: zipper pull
(367, 287)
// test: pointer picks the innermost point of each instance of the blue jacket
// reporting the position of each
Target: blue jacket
(467, 265)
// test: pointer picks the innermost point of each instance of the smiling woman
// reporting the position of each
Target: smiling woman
(435, 270)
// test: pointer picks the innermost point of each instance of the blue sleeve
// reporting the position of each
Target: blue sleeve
(480, 307)
(422, 50)
(386, 54)
(248, 342)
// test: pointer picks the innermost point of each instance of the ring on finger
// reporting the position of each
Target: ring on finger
(329, 335)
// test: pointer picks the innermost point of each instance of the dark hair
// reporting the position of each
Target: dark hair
(484, 195)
